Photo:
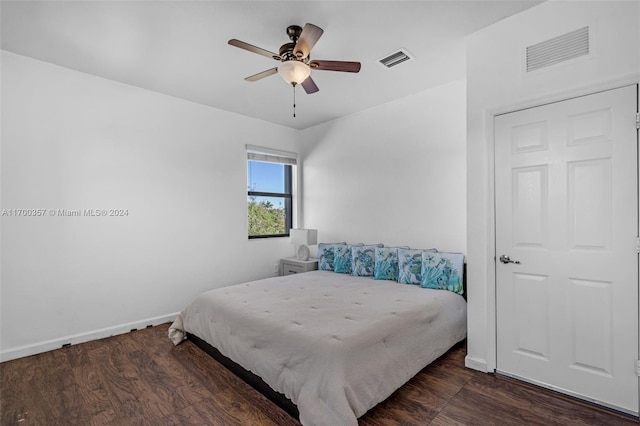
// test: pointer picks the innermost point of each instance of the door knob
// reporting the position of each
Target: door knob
(505, 259)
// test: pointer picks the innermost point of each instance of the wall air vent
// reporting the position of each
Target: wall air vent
(558, 49)
(395, 58)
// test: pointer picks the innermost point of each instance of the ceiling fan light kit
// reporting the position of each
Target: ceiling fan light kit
(294, 72)
(296, 63)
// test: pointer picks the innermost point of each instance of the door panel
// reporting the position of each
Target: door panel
(567, 210)
(589, 204)
(530, 295)
(530, 199)
(592, 329)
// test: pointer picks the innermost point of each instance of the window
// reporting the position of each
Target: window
(269, 192)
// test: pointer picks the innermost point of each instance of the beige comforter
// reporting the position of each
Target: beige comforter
(336, 345)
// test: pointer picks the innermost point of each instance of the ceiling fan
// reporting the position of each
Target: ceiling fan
(296, 63)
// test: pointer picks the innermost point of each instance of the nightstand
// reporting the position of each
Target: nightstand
(291, 265)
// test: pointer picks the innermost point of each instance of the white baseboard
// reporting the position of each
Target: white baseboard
(48, 345)
(475, 363)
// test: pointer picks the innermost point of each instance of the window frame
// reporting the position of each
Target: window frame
(288, 160)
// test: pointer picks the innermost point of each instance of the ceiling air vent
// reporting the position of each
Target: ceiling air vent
(558, 49)
(395, 58)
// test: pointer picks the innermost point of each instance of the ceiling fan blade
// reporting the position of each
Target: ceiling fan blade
(262, 74)
(308, 38)
(309, 85)
(254, 49)
(343, 66)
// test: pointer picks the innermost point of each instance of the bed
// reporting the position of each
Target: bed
(335, 345)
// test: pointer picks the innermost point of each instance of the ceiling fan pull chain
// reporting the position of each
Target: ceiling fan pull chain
(294, 100)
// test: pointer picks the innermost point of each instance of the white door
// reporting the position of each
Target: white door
(567, 211)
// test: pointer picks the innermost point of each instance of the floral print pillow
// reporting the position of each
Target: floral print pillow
(442, 271)
(410, 265)
(326, 256)
(386, 263)
(342, 258)
(363, 260)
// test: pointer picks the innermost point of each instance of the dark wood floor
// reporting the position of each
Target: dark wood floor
(140, 378)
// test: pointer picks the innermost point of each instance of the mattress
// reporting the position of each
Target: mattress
(335, 345)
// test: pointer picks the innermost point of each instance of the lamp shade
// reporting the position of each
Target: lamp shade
(294, 72)
(303, 237)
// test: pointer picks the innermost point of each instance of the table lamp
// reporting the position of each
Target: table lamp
(303, 238)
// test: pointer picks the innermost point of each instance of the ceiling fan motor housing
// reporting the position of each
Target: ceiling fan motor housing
(286, 52)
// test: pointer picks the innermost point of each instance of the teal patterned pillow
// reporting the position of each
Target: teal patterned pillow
(342, 258)
(326, 256)
(362, 260)
(442, 271)
(410, 265)
(386, 263)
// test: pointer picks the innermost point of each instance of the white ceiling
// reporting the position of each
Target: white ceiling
(180, 48)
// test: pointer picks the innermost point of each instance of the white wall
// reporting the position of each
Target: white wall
(496, 84)
(393, 174)
(75, 141)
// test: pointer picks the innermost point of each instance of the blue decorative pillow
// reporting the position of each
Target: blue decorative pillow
(442, 271)
(342, 258)
(326, 256)
(386, 263)
(363, 260)
(410, 265)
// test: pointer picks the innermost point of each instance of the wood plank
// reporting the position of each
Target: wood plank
(498, 400)
(211, 374)
(96, 404)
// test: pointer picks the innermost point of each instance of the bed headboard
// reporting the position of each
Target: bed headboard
(464, 280)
